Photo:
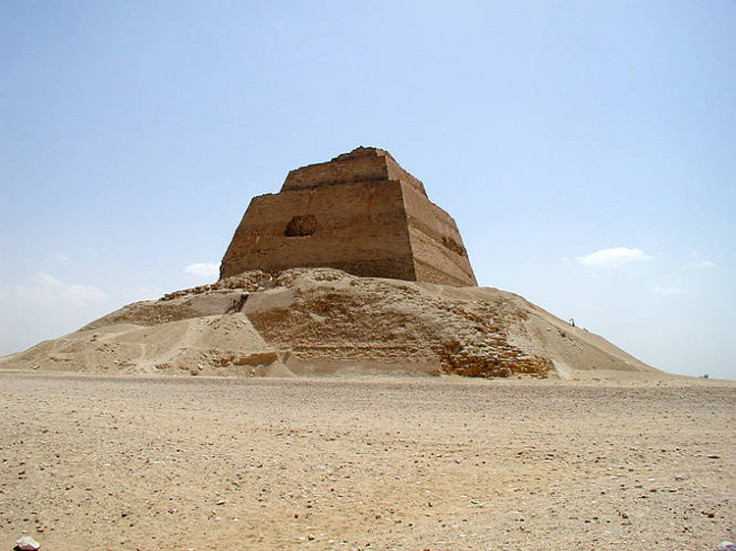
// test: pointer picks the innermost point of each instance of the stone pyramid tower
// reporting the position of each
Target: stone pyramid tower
(361, 213)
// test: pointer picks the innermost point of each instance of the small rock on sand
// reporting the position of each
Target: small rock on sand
(27, 543)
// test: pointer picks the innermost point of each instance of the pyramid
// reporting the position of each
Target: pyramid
(349, 269)
(360, 213)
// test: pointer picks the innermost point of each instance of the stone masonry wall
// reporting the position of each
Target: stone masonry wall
(359, 228)
(361, 213)
(437, 248)
(360, 165)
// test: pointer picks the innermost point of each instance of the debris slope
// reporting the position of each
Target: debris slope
(306, 321)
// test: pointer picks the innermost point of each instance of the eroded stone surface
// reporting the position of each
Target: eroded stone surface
(361, 213)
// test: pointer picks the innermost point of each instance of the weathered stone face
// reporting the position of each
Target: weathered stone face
(361, 213)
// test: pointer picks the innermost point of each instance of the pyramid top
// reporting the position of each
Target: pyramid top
(362, 151)
(363, 164)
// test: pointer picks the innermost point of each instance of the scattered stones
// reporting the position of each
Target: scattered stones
(316, 450)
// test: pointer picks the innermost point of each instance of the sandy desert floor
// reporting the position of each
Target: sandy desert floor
(104, 462)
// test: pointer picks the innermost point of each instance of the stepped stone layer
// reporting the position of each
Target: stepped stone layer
(360, 213)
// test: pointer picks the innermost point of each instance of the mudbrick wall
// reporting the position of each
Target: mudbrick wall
(361, 213)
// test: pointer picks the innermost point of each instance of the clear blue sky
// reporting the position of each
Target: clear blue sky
(587, 150)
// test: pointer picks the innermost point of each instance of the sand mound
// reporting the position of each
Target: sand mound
(207, 345)
(321, 320)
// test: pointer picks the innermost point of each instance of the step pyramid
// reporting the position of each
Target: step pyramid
(360, 213)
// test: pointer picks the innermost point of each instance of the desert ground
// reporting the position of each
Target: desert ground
(146, 462)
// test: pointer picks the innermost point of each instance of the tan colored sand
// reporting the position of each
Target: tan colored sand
(324, 321)
(100, 462)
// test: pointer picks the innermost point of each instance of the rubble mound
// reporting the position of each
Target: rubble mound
(305, 321)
